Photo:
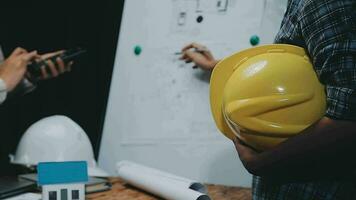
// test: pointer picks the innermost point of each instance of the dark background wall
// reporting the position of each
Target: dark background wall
(82, 94)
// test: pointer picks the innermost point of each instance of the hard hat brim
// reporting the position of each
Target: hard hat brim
(223, 71)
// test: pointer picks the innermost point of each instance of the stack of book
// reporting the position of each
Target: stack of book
(94, 184)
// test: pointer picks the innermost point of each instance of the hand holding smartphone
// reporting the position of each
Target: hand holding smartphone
(35, 68)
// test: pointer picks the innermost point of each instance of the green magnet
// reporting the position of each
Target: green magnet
(137, 50)
(254, 40)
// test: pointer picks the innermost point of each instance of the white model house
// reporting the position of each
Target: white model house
(63, 180)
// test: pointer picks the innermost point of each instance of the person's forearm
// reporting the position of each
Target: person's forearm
(327, 147)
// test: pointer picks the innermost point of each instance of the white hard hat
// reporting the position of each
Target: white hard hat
(56, 139)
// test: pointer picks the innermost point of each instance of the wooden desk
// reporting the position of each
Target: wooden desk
(122, 191)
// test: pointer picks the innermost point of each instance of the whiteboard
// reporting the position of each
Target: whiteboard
(158, 112)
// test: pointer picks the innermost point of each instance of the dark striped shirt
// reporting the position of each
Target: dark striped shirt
(327, 30)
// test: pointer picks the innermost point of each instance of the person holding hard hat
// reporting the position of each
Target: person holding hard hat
(298, 143)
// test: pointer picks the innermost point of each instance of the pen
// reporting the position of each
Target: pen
(195, 50)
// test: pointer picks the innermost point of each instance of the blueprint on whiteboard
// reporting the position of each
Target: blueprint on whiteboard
(177, 95)
(158, 112)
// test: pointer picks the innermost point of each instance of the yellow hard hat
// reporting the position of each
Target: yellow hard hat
(266, 94)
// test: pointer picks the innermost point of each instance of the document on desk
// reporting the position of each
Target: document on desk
(162, 184)
(26, 196)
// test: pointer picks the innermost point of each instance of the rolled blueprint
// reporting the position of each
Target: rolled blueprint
(162, 184)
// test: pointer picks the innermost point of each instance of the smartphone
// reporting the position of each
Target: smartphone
(67, 56)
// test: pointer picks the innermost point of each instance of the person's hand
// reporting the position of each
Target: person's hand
(248, 156)
(199, 55)
(55, 69)
(13, 69)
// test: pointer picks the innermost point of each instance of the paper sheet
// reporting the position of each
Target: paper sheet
(161, 183)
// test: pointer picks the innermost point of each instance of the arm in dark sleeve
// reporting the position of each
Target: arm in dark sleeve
(328, 147)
